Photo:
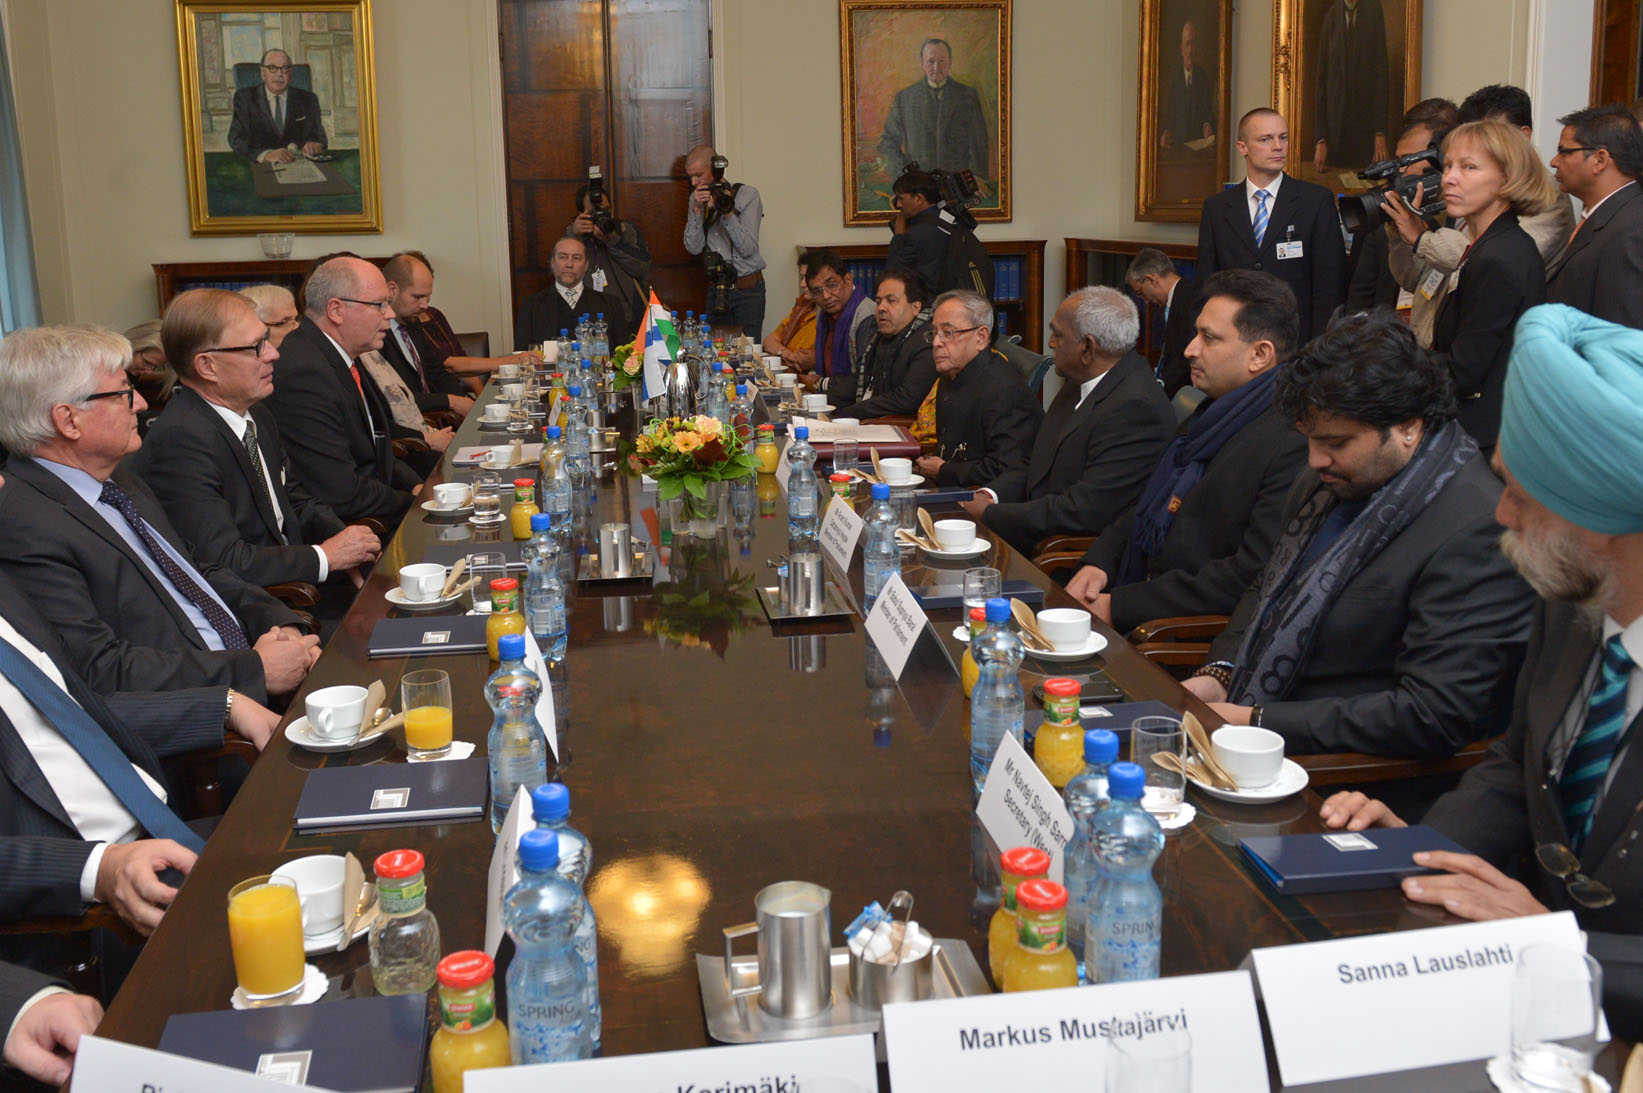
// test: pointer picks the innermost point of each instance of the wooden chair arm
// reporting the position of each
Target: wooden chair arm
(404, 446)
(1055, 561)
(377, 527)
(201, 775)
(1345, 768)
(1179, 628)
(442, 419)
(1056, 543)
(1177, 654)
(294, 594)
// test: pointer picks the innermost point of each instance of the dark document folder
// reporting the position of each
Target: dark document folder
(427, 635)
(393, 793)
(1343, 861)
(934, 597)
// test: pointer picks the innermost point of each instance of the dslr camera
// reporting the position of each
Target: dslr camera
(721, 278)
(723, 193)
(1363, 212)
(599, 202)
(959, 191)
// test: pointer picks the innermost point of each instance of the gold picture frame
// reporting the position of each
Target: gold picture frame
(1299, 28)
(326, 113)
(883, 116)
(1186, 84)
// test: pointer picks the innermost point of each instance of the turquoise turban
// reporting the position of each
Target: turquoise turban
(1571, 429)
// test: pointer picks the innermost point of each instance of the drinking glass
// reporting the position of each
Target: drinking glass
(484, 567)
(846, 456)
(426, 699)
(1150, 737)
(519, 418)
(905, 504)
(1159, 1062)
(981, 584)
(487, 496)
(1556, 998)
(265, 936)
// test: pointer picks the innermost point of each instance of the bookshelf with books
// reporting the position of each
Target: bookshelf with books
(1105, 261)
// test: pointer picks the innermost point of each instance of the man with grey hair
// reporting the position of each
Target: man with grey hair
(1100, 438)
(936, 121)
(1152, 276)
(986, 417)
(336, 425)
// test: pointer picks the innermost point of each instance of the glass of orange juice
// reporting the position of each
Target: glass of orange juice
(426, 699)
(265, 933)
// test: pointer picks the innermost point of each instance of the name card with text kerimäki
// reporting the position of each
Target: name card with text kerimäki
(108, 1066)
(840, 528)
(896, 623)
(841, 1064)
(1060, 1039)
(1411, 998)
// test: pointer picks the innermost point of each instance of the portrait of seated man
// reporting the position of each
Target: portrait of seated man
(274, 122)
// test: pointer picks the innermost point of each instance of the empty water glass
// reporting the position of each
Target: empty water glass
(1160, 1062)
(484, 567)
(1166, 786)
(1556, 998)
(846, 456)
(981, 584)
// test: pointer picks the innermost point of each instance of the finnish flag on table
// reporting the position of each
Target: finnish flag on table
(661, 342)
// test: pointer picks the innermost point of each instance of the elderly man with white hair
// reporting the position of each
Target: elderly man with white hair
(1099, 440)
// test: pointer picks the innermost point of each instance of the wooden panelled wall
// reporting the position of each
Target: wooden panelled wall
(1616, 44)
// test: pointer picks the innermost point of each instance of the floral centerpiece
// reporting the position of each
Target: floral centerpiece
(691, 458)
(626, 363)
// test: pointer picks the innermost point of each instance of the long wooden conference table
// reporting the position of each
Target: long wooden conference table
(711, 755)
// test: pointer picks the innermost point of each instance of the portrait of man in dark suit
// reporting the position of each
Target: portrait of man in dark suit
(1185, 85)
(936, 120)
(1189, 104)
(275, 121)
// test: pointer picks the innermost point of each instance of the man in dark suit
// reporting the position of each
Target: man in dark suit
(1599, 158)
(1099, 439)
(1558, 795)
(215, 460)
(1189, 104)
(1152, 277)
(1353, 107)
(897, 370)
(94, 548)
(1207, 517)
(337, 428)
(986, 417)
(1276, 223)
(45, 1023)
(406, 346)
(1385, 620)
(917, 241)
(542, 315)
(937, 122)
(273, 117)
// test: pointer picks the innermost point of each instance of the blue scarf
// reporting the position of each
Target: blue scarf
(835, 334)
(1211, 425)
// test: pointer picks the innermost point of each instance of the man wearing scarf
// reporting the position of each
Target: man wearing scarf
(897, 370)
(1556, 803)
(842, 308)
(1386, 620)
(1208, 516)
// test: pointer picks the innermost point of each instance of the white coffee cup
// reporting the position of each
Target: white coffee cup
(787, 380)
(896, 471)
(507, 371)
(451, 495)
(775, 364)
(421, 581)
(335, 713)
(1066, 628)
(815, 402)
(1253, 756)
(319, 890)
(496, 411)
(513, 392)
(845, 424)
(955, 534)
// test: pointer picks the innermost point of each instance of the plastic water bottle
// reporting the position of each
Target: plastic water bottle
(564, 348)
(718, 396)
(584, 331)
(544, 591)
(1125, 923)
(518, 750)
(880, 554)
(577, 463)
(1085, 795)
(801, 493)
(512, 672)
(997, 706)
(547, 1008)
(687, 330)
(554, 488)
(601, 339)
(741, 415)
(550, 805)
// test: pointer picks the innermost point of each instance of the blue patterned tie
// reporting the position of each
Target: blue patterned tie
(101, 754)
(1588, 762)
(1260, 215)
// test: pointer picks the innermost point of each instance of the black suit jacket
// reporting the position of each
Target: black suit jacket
(1188, 108)
(986, 419)
(922, 247)
(122, 628)
(1087, 465)
(434, 385)
(1417, 654)
(1502, 278)
(252, 132)
(1222, 533)
(17, 985)
(203, 477)
(1600, 270)
(907, 378)
(542, 315)
(1226, 240)
(327, 435)
(1174, 371)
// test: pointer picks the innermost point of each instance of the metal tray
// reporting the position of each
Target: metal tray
(588, 569)
(834, 605)
(743, 1021)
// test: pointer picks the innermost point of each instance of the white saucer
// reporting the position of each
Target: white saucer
(433, 508)
(327, 942)
(1499, 1070)
(974, 550)
(808, 410)
(300, 733)
(912, 480)
(1093, 645)
(1292, 778)
(396, 596)
(314, 984)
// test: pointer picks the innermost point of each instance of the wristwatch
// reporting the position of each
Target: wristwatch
(228, 707)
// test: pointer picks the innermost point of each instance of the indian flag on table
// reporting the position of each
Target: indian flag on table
(661, 342)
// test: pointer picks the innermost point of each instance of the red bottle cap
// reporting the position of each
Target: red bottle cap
(523, 483)
(504, 584)
(1025, 861)
(979, 614)
(1041, 895)
(399, 864)
(464, 970)
(767, 428)
(838, 478)
(1062, 687)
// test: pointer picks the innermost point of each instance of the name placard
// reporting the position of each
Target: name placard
(784, 469)
(838, 1064)
(895, 623)
(1413, 998)
(1019, 806)
(840, 530)
(544, 705)
(504, 871)
(108, 1066)
(1015, 1041)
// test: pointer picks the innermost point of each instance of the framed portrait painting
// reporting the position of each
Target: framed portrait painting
(925, 83)
(1344, 71)
(1186, 80)
(279, 116)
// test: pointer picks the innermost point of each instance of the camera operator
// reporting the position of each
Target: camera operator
(917, 242)
(618, 260)
(1421, 285)
(722, 225)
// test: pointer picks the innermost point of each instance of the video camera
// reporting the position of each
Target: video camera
(724, 194)
(959, 191)
(599, 202)
(1363, 212)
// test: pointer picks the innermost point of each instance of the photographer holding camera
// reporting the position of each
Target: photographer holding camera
(723, 227)
(618, 260)
(917, 242)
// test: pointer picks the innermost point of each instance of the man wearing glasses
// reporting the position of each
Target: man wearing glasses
(1599, 157)
(274, 121)
(1554, 811)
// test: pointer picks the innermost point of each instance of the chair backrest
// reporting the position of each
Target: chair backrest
(1186, 400)
(1028, 363)
(475, 344)
(249, 74)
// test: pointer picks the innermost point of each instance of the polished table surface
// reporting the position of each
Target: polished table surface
(711, 755)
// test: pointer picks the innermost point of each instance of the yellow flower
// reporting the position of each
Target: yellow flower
(685, 443)
(644, 443)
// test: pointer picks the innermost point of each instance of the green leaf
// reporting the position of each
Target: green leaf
(669, 487)
(695, 485)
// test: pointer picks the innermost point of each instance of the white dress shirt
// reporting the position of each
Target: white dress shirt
(1271, 189)
(236, 424)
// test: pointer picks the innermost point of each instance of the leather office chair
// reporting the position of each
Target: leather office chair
(475, 344)
(1032, 366)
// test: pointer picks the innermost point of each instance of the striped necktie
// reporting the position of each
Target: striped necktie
(259, 474)
(1588, 764)
(1260, 215)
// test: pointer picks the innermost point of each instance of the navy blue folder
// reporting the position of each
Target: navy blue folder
(384, 794)
(426, 635)
(1341, 861)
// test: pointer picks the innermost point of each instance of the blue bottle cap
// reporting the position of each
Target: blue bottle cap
(554, 432)
(586, 364)
(563, 332)
(541, 521)
(741, 389)
(998, 609)
(510, 647)
(1125, 781)
(576, 390)
(550, 801)
(688, 314)
(1100, 746)
(881, 491)
(801, 433)
(539, 850)
(600, 314)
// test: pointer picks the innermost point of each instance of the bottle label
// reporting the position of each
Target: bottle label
(1010, 885)
(524, 495)
(466, 1010)
(504, 601)
(1042, 935)
(403, 899)
(548, 1032)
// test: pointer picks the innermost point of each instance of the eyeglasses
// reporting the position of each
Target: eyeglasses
(279, 68)
(380, 305)
(292, 321)
(257, 349)
(1562, 151)
(1560, 862)
(933, 336)
(128, 392)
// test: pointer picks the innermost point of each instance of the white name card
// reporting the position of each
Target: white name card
(895, 623)
(1409, 999)
(1060, 1039)
(784, 469)
(840, 1064)
(840, 529)
(544, 705)
(504, 871)
(108, 1066)
(1019, 806)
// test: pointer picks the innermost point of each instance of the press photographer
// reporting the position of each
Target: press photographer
(618, 260)
(934, 233)
(722, 225)
(1417, 168)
